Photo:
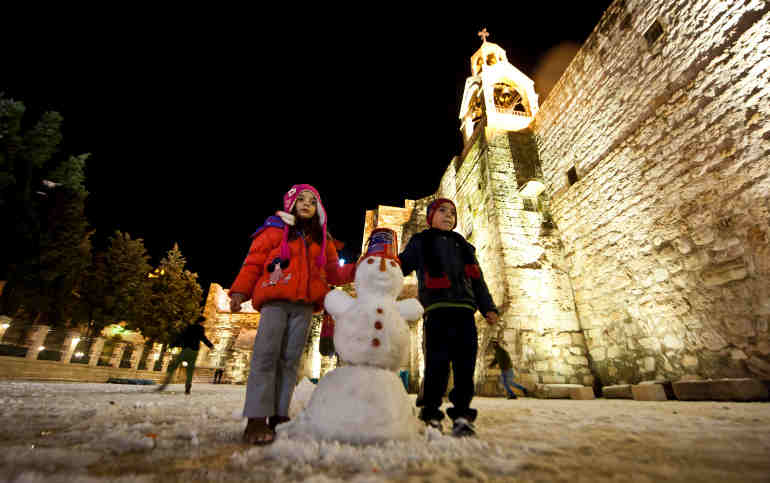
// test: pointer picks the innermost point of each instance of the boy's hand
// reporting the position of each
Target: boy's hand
(236, 300)
(492, 318)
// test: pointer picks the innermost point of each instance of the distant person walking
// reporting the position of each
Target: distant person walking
(190, 342)
(218, 373)
(503, 359)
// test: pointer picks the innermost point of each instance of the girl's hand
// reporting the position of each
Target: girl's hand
(492, 318)
(236, 299)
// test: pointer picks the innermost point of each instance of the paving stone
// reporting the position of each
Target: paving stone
(620, 391)
(581, 393)
(649, 392)
(667, 387)
(721, 390)
(555, 391)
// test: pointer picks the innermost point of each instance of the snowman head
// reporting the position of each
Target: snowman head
(379, 276)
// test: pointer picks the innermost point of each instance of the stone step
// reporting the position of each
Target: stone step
(721, 390)
(668, 387)
(581, 393)
(554, 391)
(648, 392)
(619, 391)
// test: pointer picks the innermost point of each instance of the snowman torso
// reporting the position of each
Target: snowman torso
(370, 329)
(372, 333)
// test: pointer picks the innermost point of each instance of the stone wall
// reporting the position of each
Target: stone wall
(665, 232)
(520, 256)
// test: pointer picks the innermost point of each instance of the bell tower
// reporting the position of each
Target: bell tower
(496, 92)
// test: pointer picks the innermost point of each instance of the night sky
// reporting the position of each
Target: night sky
(199, 121)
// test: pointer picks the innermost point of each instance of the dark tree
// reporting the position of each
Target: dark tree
(175, 299)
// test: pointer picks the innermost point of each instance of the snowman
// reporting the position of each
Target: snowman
(364, 400)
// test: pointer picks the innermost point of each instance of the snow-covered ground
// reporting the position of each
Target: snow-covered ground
(56, 432)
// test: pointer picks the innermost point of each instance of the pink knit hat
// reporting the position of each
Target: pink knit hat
(289, 199)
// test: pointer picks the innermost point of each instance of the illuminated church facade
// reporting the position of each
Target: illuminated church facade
(624, 226)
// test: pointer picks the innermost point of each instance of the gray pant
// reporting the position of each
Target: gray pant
(278, 346)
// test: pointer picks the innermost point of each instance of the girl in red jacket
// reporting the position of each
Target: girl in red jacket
(286, 275)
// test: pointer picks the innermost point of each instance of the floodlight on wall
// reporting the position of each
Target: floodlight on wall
(532, 188)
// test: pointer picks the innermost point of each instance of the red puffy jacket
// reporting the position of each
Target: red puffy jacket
(262, 279)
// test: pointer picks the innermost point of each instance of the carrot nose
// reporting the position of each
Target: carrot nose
(382, 264)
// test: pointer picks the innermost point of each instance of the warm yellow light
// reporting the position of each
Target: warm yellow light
(79, 354)
(184, 363)
(5, 326)
(532, 188)
(507, 122)
(42, 347)
(75, 341)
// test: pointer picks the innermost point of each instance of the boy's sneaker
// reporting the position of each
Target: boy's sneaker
(463, 428)
(435, 424)
(512, 396)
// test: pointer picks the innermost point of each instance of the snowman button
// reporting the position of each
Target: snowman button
(379, 310)
(375, 342)
(378, 325)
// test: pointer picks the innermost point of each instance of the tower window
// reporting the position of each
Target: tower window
(572, 176)
(653, 33)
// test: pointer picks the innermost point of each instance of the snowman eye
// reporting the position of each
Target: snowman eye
(392, 263)
(370, 261)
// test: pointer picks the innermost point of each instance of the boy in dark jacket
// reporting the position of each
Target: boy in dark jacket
(451, 287)
(190, 342)
(506, 367)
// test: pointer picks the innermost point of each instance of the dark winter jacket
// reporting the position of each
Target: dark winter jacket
(463, 287)
(192, 337)
(502, 359)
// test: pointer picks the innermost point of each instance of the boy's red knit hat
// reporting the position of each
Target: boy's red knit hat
(434, 206)
(289, 199)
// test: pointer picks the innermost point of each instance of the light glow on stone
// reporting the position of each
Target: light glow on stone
(532, 188)
(75, 341)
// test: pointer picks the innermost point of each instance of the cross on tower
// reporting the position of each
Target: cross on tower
(483, 34)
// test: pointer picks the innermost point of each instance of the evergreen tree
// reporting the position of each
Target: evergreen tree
(65, 253)
(43, 256)
(175, 299)
(71, 173)
(117, 288)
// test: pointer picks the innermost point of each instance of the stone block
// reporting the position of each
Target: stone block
(721, 390)
(648, 392)
(529, 381)
(554, 379)
(667, 386)
(581, 393)
(620, 391)
(554, 391)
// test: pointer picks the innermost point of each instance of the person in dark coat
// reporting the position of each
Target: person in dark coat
(190, 342)
(503, 359)
(451, 287)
